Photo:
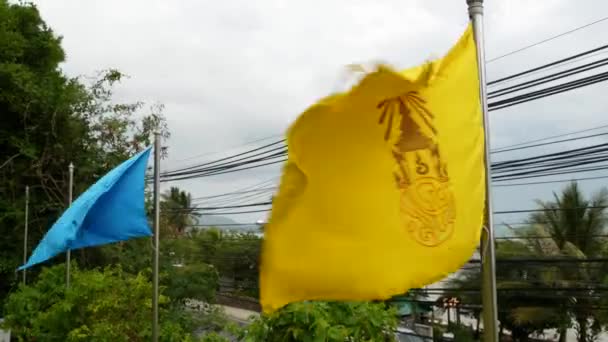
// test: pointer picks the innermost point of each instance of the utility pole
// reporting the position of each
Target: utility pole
(488, 253)
(157, 151)
(68, 254)
(27, 210)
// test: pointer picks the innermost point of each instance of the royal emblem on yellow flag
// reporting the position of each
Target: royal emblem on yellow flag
(384, 188)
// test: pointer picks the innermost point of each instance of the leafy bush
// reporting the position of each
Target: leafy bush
(195, 281)
(108, 305)
(214, 337)
(322, 321)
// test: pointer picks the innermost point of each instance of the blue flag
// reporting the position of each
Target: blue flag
(109, 211)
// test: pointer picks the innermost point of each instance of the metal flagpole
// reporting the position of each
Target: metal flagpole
(68, 255)
(27, 211)
(157, 148)
(488, 253)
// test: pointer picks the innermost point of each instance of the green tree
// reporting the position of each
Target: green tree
(48, 121)
(234, 255)
(193, 281)
(322, 321)
(237, 258)
(571, 226)
(178, 211)
(522, 310)
(108, 305)
(30, 87)
(576, 226)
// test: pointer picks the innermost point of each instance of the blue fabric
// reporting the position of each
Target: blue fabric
(109, 211)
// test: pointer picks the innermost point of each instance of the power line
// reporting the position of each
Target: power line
(540, 237)
(576, 152)
(237, 212)
(545, 66)
(547, 79)
(540, 173)
(548, 182)
(547, 209)
(232, 164)
(233, 147)
(237, 193)
(550, 143)
(550, 91)
(545, 164)
(544, 260)
(224, 172)
(551, 137)
(180, 171)
(225, 225)
(518, 211)
(550, 166)
(231, 206)
(547, 40)
(578, 60)
(243, 199)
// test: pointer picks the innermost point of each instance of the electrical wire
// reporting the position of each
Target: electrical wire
(545, 66)
(550, 143)
(506, 170)
(271, 188)
(230, 148)
(547, 182)
(547, 40)
(281, 149)
(550, 91)
(498, 149)
(231, 161)
(549, 78)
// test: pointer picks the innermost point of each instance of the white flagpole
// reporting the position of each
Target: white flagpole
(27, 211)
(157, 150)
(488, 253)
(68, 258)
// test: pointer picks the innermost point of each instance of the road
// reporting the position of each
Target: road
(238, 315)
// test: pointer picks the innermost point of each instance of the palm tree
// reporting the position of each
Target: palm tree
(570, 226)
(576, 226)
(179, 213)
(572, 218)
(522, 311)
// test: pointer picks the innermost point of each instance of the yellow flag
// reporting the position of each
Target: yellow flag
(384, 186)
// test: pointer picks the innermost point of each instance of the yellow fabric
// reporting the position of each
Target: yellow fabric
(384, 187)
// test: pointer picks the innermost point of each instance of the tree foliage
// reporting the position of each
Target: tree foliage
(48, 121)
(570, 226)
(108, 305)
(576, 226)
(234, 255)
(322, 321)
(178, 211)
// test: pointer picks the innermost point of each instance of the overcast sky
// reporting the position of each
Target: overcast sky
(234, 71)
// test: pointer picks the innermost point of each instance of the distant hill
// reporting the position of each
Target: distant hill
(211, 220)
(224, 223)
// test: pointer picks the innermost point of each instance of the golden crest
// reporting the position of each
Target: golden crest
(427, 201)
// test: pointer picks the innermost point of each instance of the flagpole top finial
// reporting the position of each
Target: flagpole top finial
(71, 166)
(475, 7)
